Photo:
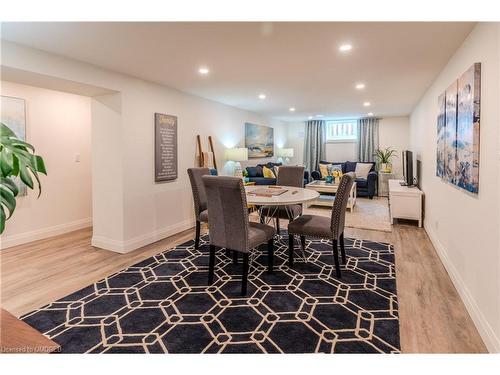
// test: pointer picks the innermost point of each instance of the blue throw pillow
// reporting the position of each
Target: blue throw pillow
(350, 166)
(255, 171)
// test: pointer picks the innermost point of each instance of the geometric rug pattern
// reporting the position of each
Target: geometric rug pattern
(163, 304)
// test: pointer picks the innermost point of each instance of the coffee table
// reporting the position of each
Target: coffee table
(328, 197)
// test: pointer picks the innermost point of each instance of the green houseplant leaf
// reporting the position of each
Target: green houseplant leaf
(7, 183)
(384, 156)
(17, 159)
(8, 200)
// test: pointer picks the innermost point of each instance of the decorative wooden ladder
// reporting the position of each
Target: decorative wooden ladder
(204, 158)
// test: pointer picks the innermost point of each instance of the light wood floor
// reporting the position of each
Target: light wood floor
(433, 319)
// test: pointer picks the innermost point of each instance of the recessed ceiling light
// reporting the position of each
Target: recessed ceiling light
(291, 109)
(203, 70)
(367, 104)
(360, 86)
(345, 47)
(319, 115)
(310, 117)
(370, 113)
(262, 96)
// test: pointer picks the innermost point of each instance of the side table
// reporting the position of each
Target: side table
(383, 183)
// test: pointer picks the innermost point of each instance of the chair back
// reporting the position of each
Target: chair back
(340, 205)
(290, 176)
(227, 209)
(199, 194)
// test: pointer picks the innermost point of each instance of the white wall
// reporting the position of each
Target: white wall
(341, 151)
(295, 140)
(464, 227)
(58, 125)
(393, 132)
(130, 209)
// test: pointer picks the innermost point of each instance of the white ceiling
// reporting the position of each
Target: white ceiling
(294, 64)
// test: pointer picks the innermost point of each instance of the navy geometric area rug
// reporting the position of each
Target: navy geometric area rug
(163, 304)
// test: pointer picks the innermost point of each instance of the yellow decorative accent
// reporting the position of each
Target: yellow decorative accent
(268, 173)
(336, 173)
(323, 168)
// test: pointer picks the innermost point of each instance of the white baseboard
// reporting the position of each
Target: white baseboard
(140, 241)
(490, 339)
(40, 234)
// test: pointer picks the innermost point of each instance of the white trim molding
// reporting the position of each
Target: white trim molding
(40, 234)
(490, 339)
(123, 247)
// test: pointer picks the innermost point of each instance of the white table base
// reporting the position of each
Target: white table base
(331, 190)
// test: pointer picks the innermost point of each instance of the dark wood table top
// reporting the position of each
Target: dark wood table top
(18, 337)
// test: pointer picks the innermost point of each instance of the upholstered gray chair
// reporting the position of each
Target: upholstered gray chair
(229, 225)
(287, 176)
(324, 227)
(200, 199)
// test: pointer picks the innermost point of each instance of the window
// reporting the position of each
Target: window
(341, 130)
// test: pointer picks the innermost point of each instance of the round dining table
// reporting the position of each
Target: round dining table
(261, 196)
(272, 195)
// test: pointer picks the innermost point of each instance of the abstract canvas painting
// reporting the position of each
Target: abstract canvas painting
(458, 125)
(450, 150)
(13, 114)
(469, 92)
(259, 140)
(440, 136)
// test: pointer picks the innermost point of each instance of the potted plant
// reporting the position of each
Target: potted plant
(17, 159)
(384, 157)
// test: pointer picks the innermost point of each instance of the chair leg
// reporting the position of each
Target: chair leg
(290, 250)
(197, 237)
(342, 248)
(336, 258)
(244, 278)
(303, 243)
(277, 225)
(235, 257)
(211, 265)
(270, 255)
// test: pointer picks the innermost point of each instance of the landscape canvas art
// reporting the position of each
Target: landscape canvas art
(458, 125)
(259, 140)
(13, 114)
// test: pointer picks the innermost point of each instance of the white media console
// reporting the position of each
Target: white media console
(405, 202)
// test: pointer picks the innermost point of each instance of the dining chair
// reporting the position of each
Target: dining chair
(331, 228)
(287, 176)
(200, 199)
(230, 227)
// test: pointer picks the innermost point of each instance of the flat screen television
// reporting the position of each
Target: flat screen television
(408, 168)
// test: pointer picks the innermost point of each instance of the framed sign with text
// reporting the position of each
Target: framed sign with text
(165, 147)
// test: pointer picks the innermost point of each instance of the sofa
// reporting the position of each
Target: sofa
(256, 174)
(365, 187)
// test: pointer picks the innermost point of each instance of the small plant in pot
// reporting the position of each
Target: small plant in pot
(17, 159)
(384, 157)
